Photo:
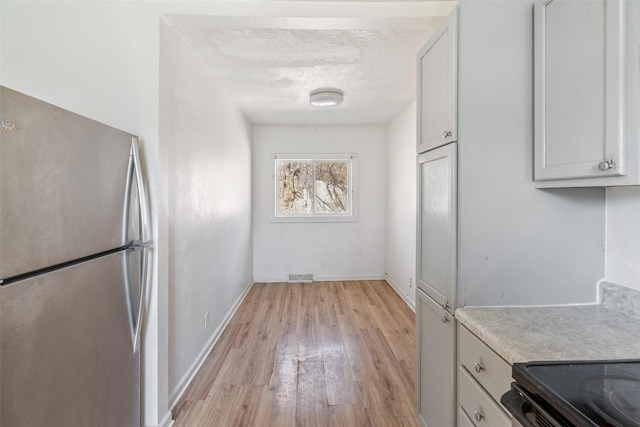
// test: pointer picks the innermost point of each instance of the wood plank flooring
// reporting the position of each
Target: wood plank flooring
(309, 354)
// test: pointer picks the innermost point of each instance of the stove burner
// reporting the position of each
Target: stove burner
(615, 398)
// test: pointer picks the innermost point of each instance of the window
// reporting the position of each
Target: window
(320, 188)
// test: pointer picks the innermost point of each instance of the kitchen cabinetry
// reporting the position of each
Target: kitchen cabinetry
(581, 93)
(435, 363)
(436, 277)
(478, 405)
(437, 87)
(482, 379)
(463, 419)
(485, 235)
(437, 226)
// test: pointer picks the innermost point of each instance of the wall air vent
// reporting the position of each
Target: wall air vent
(301, 278)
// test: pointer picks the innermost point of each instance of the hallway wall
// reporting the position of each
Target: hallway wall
(208, 148)
(352, 250)
(401, 204)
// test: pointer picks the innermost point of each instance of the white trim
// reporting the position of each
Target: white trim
(167, 421)
(317, 278)
(179, 390)
(395, 287)
(351, 216)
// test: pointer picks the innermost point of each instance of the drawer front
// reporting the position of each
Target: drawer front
(489, 369)
(463, 418)
(482, 409)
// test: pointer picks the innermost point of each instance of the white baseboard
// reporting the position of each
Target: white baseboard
(320, 278)
(167, 421)
(179, 390)
(395, 287)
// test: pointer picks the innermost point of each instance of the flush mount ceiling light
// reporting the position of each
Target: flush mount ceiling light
(326, 97)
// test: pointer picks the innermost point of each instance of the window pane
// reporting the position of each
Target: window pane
(332, 187)
(295, 187)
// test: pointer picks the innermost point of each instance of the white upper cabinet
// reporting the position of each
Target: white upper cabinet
(437, 87)
(579, 91)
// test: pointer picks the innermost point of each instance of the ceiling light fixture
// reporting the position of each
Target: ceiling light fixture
(326, 97)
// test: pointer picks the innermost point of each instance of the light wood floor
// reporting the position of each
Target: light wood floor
(309, 354)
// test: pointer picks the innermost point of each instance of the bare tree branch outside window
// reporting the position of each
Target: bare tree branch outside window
(307, 187)
(331, 189)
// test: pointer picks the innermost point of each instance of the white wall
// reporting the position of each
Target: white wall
(517, 244)
(623, 237)
(401, 204)
(353, 250)
(623, 203)
(208, 144)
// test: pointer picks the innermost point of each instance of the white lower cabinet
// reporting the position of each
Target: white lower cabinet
(463, 419)
(435, 363)
(475, 401)
(483, 377)
(487, 368)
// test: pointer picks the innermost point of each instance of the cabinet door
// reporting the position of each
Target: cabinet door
(578, 89)
(435, 364)
(437, 224)
(437, 87)
(463, 419)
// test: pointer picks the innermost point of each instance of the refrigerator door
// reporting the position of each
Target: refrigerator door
(66, 346)
(64, 185)
(437, 225)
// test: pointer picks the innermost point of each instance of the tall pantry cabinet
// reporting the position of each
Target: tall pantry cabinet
(486, 235)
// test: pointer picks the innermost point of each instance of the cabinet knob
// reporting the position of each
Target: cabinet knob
(478, 415)
(446, 134)
(445, 319)
(478, 367)
(605, 165)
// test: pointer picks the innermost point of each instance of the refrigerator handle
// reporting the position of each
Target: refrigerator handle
(143, 243)
(142, 194)
(144, 278)
(127, 200)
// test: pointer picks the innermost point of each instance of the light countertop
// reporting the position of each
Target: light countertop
(583, 332)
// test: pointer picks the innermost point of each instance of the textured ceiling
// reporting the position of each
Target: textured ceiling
(270, 65)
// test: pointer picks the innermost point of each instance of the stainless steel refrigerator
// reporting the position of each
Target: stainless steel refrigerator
(74, 259)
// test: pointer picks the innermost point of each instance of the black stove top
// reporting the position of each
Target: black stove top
(586, 393)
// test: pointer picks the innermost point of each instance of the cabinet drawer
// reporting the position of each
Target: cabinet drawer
(482, 409)
(463, 418)
(491, 371)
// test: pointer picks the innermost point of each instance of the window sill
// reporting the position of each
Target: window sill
(316, 218)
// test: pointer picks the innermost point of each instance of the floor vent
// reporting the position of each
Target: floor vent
(301, 278)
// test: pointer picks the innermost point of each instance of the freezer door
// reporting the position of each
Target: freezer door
(64, 186)
(66, 346)
(437, 225)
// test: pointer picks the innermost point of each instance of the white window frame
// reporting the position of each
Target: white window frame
(352, 216)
